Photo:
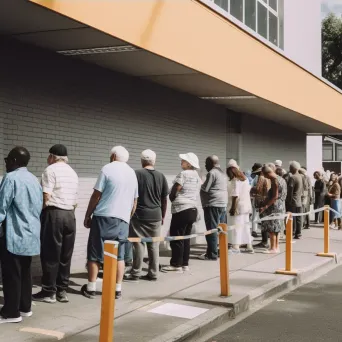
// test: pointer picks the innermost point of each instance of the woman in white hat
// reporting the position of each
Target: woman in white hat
(184, 196)
(239, 208)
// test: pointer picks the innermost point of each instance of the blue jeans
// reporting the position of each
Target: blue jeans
(336, 205)
(213, 216)
(128, 253)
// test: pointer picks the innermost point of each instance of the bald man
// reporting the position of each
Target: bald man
(214, 198)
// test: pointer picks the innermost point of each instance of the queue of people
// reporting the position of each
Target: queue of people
(40, 218)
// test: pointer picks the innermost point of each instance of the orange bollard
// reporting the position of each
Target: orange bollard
(224, 267)
(108, 291)
(326, 252)
(288, 252)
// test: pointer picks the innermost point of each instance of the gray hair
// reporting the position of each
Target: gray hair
(272, 166)
(64, 159)
(121, 154)
(295, 165)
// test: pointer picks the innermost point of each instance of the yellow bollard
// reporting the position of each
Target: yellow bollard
(288, 252)
(224, 267)
(326, 252)
(108, 291)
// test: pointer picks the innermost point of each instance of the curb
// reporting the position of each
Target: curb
(228, 311)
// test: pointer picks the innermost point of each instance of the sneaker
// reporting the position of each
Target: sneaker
(62, 297)
(44, 297)
(205, 257)
(26, 314)
(131, 278)
(86, 293)
(186, 268)
(118, 294)
(249, 250)
(298, 237)
(261, 245)
(255, 234)
(233, 251)
(10, 320)
(172, 269)
(147, 277)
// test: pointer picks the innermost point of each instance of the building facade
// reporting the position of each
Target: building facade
(81, 74)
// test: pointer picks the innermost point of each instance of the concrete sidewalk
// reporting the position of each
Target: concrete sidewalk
(178, 306)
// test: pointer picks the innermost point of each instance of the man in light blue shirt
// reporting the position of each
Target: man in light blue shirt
(112, 205)
(21, 203)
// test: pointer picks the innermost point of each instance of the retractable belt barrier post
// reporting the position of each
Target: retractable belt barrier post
(326, 252)
(288, 253)
(224, 267)
(108, 291)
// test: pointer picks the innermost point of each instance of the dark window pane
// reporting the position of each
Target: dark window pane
(262, 20)
(273, 28)
(274, 4)
(327, 151)
(236, 9)
(250, 14)
(281, 23)
(222, 3)
(338, 153)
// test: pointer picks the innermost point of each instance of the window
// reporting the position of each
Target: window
(236, 9)
(273, 4)
(222, 3)
(328, 151)
(250, 14)
(338, 152)
(262, 20)
(273, 28)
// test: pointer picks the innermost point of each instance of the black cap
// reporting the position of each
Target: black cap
(256, 166)
(59, 150)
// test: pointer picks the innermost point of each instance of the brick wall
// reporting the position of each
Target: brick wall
(47, 99)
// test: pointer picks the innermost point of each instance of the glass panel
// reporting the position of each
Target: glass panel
(250, 14)
(327, 151)
(222, 3)
(262, 20)
(281, 23)
(274, 4)
(236, 9)
(338, 153)
(273, 28)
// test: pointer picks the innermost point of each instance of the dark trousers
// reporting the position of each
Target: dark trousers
(264, 237)
(306, 218)
(319, 216)
(17, 282)
(297, 220)
(57, 245)
(213, 216)
(181, 224)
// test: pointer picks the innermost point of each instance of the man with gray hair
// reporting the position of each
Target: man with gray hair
(110, 209)
(294, 202)
(148, 218)
(58, 231)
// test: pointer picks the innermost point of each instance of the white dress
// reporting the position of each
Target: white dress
(241, 234)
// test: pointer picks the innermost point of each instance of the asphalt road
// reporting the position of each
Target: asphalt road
(310, 313)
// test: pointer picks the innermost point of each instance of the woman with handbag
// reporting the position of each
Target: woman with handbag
(239, 208)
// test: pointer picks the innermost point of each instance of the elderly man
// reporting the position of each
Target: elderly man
(110, 209)
(214, 198)
(149, 216)
(294, 202)
(60, 187)
(21, 203)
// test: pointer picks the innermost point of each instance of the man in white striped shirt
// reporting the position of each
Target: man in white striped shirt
(58, 231)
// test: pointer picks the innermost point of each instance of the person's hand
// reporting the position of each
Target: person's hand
(162, 221)
(87, 222)
(262, 210)
(232, 211)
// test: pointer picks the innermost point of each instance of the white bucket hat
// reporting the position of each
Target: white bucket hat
(278, 163)
(232, 163)
(191, 158)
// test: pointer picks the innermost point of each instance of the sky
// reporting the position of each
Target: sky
(331, 6)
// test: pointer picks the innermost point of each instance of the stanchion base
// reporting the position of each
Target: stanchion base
(327, 255)
(283, 271)
(225, 296)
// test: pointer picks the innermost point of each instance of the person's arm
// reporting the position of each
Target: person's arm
(134, 208)
(208, 182)
(94, 200)
(275, 195)
(235, 197)
(6, 197)
(174, 191)
(163, 208)
(290, 188)
(48, 184)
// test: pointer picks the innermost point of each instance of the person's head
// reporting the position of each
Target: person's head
(233, 171)
(294, 167)
(317, 175)
(280, 171)
(18, 157)
(57, 153)
(211, 162)
(148, 158)
(268, 172)
(189, 161)
(272, 166)
(119, 154)
(278, 163)
(256, 170)
(333, 177)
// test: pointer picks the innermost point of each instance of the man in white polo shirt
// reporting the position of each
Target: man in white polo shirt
(58, 232)
(110, 209)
